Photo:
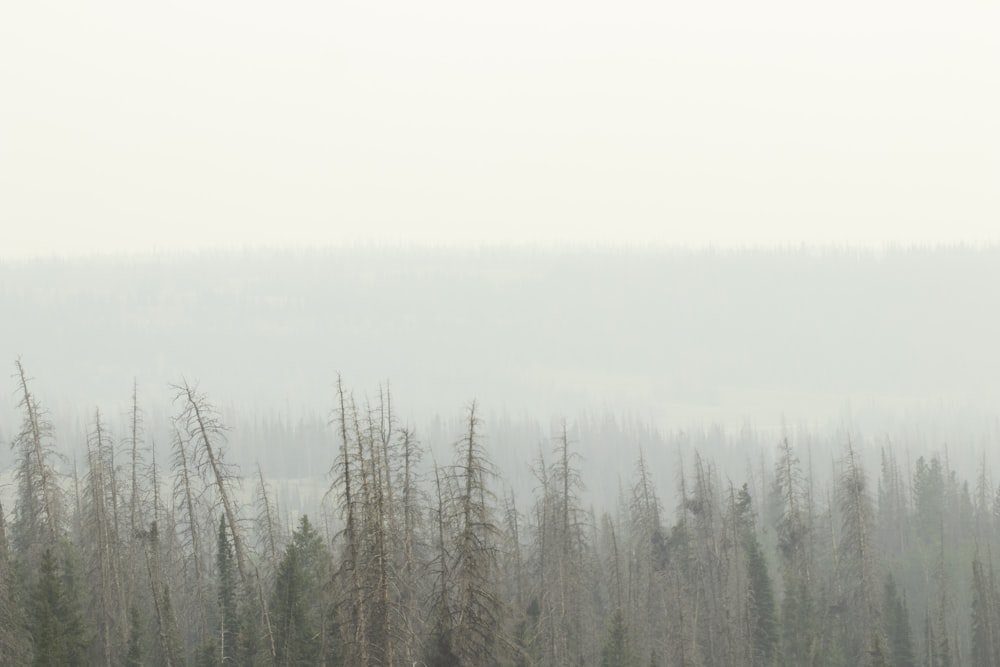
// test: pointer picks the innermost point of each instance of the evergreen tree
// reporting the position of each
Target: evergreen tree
(897, 626)
(57, 628)
(984, 621)
(794, 533)
(298, 608)
(764, 634)
(228, 620)
(856, 556)
(14, 647)
(617, 649)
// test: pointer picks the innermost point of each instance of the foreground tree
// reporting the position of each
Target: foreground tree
(14, 645)
(896, 619)
(760, 594)
(985, 621)
(300, 608)
(617, 648)
(478, 632)
(38, 511)
(199, 421)
(57, 629)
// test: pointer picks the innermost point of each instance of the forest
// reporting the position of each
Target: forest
(138, 557)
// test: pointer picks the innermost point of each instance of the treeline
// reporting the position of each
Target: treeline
(438, 562)
(533, 330)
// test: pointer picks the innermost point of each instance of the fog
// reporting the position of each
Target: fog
(230, 124)
(676, 335)
(774, 339)
(469, 335)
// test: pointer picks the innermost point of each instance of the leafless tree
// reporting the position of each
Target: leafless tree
(199, 421)
(38, 511)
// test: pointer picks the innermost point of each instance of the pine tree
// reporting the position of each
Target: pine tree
(856, 554)
(984, 621)
(617, 649)
(14, 647)
(764, 633)
(794, 529)
(897, 626)
(57, 628)
(299, 609)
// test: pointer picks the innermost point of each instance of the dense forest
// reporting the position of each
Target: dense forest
(139, 557)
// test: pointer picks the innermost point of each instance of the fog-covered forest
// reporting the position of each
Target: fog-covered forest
(504, 458)
(135, 556)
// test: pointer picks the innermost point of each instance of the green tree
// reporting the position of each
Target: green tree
(14, 647)
(764, 633)
(299, 610)
(928, 496)
(896, 618)
(794, 532)
(857, 556)
(617, 649)
(984, 618)
(57, 628)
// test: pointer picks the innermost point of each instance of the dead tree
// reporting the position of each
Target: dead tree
(38, 508)
(204, 428)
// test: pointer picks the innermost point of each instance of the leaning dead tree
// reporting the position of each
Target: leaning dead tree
(201, 423)
(38, 508)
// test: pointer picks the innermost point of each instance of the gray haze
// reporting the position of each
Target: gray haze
(673, 337)
(136, 127)
(717, 351)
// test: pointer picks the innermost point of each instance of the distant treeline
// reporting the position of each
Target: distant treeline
(415, 557)
(541, 332)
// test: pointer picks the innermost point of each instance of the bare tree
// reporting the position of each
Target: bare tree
(38, 511)
(190, 529)
(201, 423)
(479, 637)
(344, 473)
(102, 540)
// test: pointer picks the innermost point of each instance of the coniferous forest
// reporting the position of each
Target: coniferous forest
(167, 553)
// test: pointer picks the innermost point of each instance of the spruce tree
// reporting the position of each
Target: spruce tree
(299, 608)
(764, 633)
(57, 628)
(14, 647)
(897, 626)
(984, 623)
(617, 649)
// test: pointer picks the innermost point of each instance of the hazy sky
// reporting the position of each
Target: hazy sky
(162, 125)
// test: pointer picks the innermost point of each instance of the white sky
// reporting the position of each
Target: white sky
(134, 126)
